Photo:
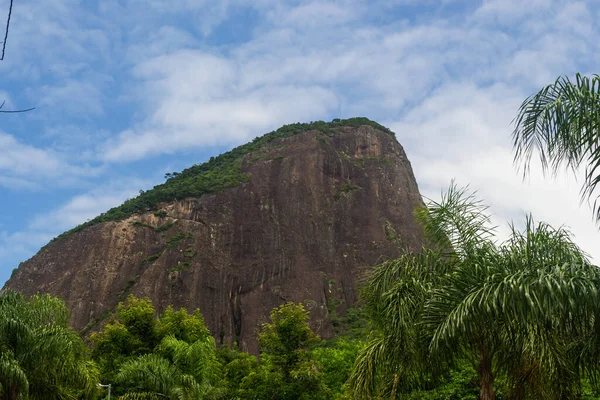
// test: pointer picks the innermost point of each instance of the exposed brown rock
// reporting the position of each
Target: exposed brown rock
(315, 210)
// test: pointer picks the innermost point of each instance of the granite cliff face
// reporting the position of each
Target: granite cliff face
(315, 209)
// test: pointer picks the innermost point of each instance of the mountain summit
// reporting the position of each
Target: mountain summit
(290, 216)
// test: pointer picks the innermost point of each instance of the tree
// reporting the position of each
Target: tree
(562, 121)
(135, 332)
(289, 370)
(181, 325)
(337, 358)
(10, 7)
(132, 332)
(236, 365)
(176, 370)
(286, 341)
(525, 310)
(40, 357)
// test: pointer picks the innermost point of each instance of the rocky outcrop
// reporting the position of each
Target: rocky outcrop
(316, 209)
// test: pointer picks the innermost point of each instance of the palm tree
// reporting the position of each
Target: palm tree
(562, 121)
(177, 370)
(40, 357)
(524, 309)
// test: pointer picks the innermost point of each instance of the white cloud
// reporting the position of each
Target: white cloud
(316, 14)
(43, 227)
(449, 85)
(203, 104)
(72, 96)
(23, 166)
(461, 132)
(507, 11)
(22, 159)
(84, 207)
(21, 244)
(196, 98)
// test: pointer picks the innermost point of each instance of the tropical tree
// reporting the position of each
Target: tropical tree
(131, 332)
(337, 358)
(176, 370)
(289, 370)
(562, 122)
(135, 331)
(525, 309)
(236, 365)
(40, 357)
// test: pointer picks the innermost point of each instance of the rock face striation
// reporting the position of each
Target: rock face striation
(315, 209)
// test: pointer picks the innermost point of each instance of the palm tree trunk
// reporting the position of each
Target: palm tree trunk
(486, 381)
(395, 387)
(11, 393)
(486, 375)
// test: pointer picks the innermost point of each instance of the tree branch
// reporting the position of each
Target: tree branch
(13, 111)
(6, 33)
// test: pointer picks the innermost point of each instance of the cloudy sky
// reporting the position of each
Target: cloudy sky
(125, 91)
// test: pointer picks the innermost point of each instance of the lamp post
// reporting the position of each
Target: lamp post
(106, 386)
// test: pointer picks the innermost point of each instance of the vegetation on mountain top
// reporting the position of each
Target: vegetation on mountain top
(219, 173)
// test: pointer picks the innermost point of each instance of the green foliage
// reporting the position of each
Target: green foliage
(346, 188)
(160, 214)
(190, 252)
(288, 369)
(459, 383)
(134, 331)
(181, 325)
(177, 370)
(287, 339)
(215, 175)
(128, 286)
(291, 369)
(176, 239)
(40, 356)
(139, 224)
(522, 313)
(236, 366)
(181, 266)
(160, 228)
(131, 332)
(137, 316)
(150, 259)
(321, 138)
(337, 358)
(164, 227)
(562, 122)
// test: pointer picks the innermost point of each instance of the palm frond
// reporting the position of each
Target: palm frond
(51, 359)
(562, 122)
(529, 307)
(457, 224)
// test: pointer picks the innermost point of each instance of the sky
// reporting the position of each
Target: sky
(126, 91)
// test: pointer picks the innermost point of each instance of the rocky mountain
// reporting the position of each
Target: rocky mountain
(291, 216)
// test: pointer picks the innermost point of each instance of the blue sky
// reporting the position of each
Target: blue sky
(128, 90)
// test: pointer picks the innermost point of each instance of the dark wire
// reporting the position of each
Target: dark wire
(6, 33)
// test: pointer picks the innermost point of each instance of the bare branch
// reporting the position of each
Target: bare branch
(6, 32)
(13, 111)
(10, 6)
